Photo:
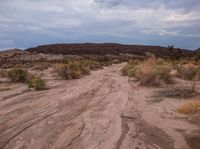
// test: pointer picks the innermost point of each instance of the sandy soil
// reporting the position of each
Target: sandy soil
(102, 111)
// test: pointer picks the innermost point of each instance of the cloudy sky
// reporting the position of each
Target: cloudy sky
(27, 23)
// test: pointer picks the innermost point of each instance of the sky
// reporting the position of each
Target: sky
(29, 23)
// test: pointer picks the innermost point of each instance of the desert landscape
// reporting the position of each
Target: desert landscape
(99, 96)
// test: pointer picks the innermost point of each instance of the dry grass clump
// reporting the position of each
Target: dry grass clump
(37, 83)
(93, 65)
(163, 72)
(70, 71)
(18, 75)
(132, 72)
(149, 72)
(190, 107)
(187, 72)
(74, 70)
(126, 68)
(22, 75)
(146, 73)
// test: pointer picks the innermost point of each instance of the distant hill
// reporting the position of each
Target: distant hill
(103, 49)
(11, 53)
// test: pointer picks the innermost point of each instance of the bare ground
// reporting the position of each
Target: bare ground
(102, 111)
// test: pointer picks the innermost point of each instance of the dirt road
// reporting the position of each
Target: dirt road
(101, 111)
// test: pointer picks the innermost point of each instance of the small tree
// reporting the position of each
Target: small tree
(174, 54)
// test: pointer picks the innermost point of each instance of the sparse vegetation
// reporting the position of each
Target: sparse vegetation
(18, 75)
(187, 72)
(190, 107)
(126, 68)
(75, 69)
(132, 72)
(41, 66)
(37, 83)
(149, 72)
(163, 72)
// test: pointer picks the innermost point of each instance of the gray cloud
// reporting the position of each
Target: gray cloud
(25, 23)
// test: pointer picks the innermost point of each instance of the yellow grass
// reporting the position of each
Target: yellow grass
(190, 107)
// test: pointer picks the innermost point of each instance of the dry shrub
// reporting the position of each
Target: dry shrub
(95, 65)
(163, 72)
(18, 75)
(190, 107)
(85, 70)
(132, 72)
(149, 72)
(37, 83)
(57, 68)
(187, 72)
(74, 74)
(126, 68)
(72, 70)
(146, 74)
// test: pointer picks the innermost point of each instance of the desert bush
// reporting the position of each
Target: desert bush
(18, 75)
(95, 65)
(75, 69)
(72, 70)
(85, 70)
(190, 107)
(146, 72)
(163, 72)
(126, 68)
(75, 74)
(37, 83)
(132, 72)
(187, 72)
(147, 76)
(149, 72)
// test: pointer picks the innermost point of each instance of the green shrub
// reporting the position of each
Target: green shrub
(18, 75)
(37, 83)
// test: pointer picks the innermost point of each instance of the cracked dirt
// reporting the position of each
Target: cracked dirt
(102, 111)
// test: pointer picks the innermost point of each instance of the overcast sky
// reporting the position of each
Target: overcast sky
(27, 23)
